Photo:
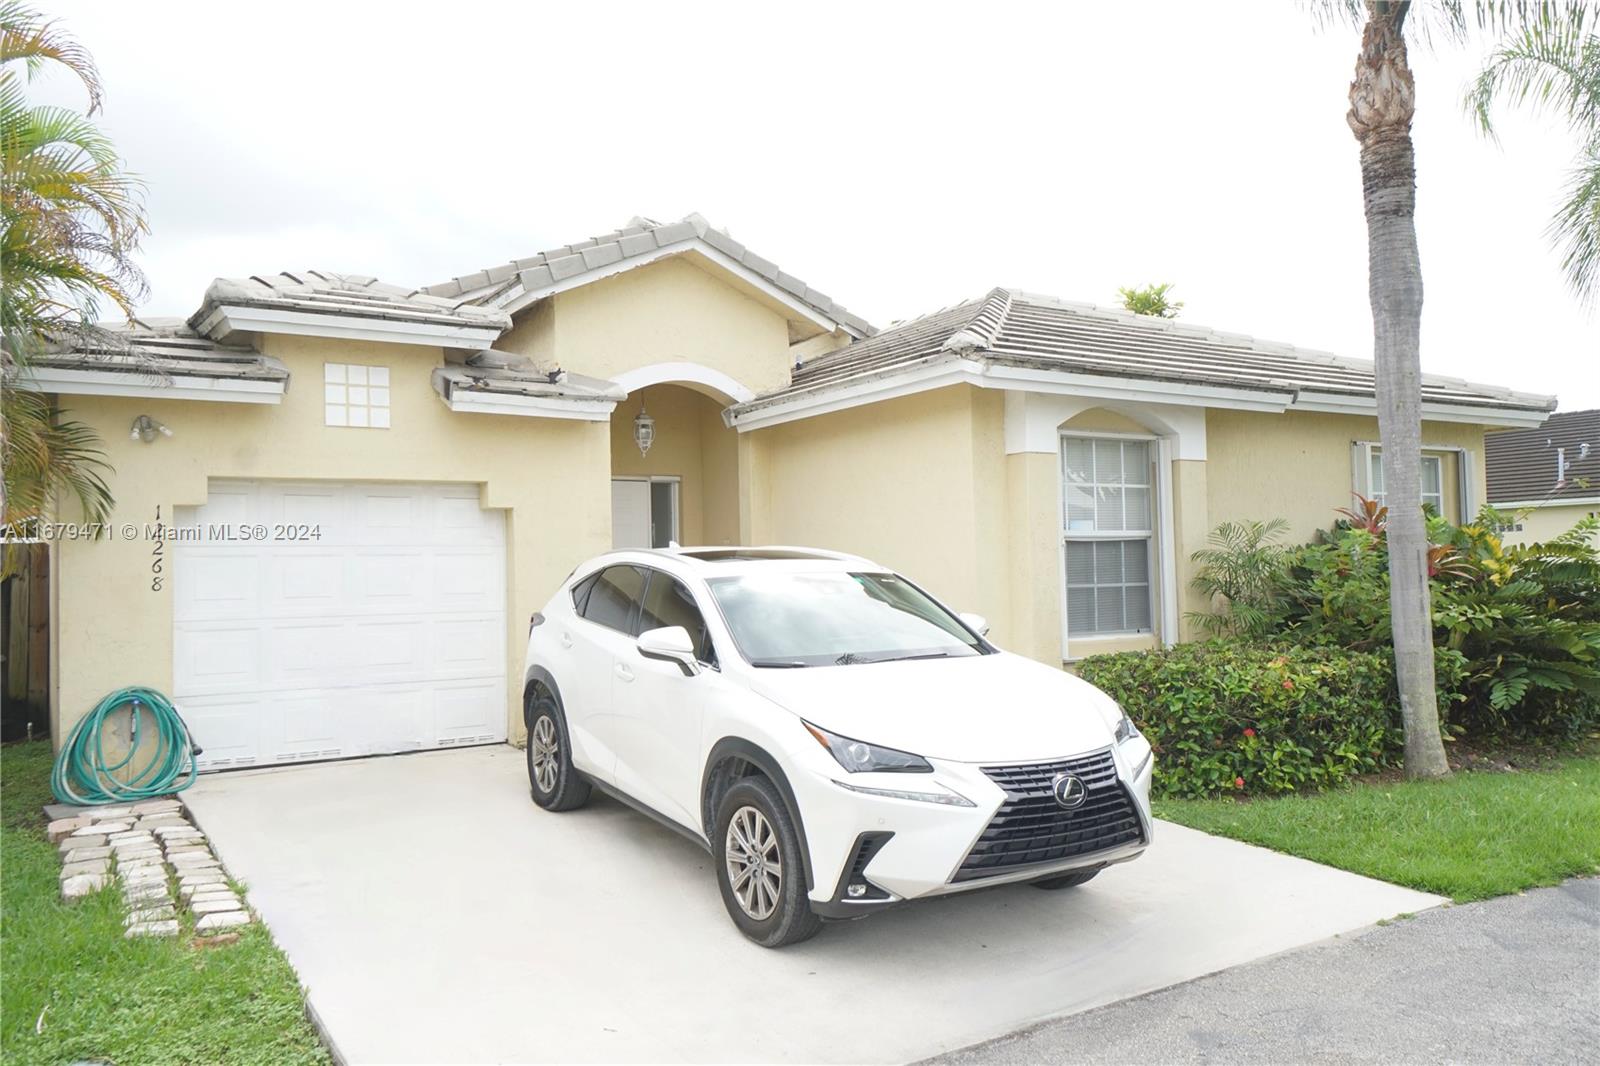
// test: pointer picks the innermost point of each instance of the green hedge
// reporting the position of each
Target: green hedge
(1237, 717)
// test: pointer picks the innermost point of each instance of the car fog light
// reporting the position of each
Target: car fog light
(856, 890)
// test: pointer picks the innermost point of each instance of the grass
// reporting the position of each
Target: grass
(72, 988)
(1471, 836)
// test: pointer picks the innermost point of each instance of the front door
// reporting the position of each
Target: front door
(630, 513)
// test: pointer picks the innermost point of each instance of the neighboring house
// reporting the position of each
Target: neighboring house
(1547, 478)
(454, 451)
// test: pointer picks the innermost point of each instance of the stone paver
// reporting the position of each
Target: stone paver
(94, 840)
(221, 920)
(138, 929)
(211, 906)
(82, 854)
(88, 866)
(155, 806)
(158, 913)
(64, 827)
(105, 827)
(81, 885)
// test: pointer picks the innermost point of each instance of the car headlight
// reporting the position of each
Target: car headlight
(1125, 730)
(859, 757)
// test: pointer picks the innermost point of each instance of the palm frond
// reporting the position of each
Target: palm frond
(27, 36)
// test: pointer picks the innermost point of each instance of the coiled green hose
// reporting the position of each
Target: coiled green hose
(82, 774)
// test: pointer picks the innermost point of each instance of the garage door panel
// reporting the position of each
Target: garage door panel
(388, 633)
(227, 728)
(467, 714)
(466, 647)
(212, 659)
(306, 582)
(218, 584)
(387, 579)
(308, 654)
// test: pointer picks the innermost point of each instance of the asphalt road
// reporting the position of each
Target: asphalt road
(1511, 980)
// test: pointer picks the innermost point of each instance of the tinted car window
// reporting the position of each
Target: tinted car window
(612, 599)
(669, 603)
(580, 592)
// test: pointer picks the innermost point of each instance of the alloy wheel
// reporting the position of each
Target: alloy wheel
(755, 864)
(545, 753)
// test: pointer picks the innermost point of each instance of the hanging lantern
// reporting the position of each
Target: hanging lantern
(644, 430)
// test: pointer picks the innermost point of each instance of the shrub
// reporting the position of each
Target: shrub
(1526, 620)
(1226, 716)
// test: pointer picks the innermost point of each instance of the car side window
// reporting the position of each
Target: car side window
(580, 592)
(613, 597)
(669, 603)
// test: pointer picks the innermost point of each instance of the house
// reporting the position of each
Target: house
(339, 501)
(1546, 478)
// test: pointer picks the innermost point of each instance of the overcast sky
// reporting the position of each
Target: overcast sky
(897, 157)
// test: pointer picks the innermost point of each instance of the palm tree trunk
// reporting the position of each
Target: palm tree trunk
(1382, 101)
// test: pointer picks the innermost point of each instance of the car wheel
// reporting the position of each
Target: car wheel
(759, 866)
(1072, 880)
(553, 781)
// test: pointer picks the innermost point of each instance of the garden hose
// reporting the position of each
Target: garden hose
(82, 773)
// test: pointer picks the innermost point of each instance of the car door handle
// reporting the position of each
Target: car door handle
(566, 640)
(624, 672)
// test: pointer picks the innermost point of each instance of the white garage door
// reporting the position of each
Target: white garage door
(384, 633)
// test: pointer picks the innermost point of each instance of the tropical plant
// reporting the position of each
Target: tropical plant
(1151, 300)
(1367, 515)
(71, 217)
(1241, 573)
(1553, 64)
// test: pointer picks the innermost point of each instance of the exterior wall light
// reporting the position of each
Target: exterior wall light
(147, 429)
(644, 430)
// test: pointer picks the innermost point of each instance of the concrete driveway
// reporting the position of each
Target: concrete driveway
(436, 915)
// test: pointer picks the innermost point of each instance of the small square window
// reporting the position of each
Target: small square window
(348, 399)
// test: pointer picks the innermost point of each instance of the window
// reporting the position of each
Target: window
(668, 603)
(580, 592)
(834, 618)
(1107, 532)
(354, 395)
(1432, 481)
(613, 597)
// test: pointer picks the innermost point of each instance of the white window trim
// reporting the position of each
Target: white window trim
(1466, 502)
(1163, 603)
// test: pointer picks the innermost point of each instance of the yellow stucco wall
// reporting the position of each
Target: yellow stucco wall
(896, 482)
(1545, 523)
(691, 444)
(1297, 465)
(667, 312)
(550, 476)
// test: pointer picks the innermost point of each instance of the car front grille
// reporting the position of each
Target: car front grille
(1031, 829)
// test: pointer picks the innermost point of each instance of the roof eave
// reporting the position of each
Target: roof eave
(224, 320)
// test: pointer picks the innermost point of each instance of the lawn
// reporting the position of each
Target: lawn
(1474, 835)
(73, 989)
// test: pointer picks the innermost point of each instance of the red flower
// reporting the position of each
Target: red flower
(1287, 683)
(1249, 732)
(1238, 782)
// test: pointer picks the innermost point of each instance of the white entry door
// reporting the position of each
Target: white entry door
(323, 620)
(630, 513)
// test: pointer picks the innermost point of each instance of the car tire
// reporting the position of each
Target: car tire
(753, 833)
(1072, 880)
(554, 783)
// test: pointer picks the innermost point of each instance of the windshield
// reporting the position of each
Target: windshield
(836, 619)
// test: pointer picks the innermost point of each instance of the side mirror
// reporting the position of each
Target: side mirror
(975, 622)
(670, 644)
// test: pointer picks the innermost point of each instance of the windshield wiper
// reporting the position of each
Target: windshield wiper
(849, 658)
(777, 664)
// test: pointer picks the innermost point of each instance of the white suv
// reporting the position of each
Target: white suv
(836, 738)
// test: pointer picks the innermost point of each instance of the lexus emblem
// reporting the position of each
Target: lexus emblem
(1069, 790)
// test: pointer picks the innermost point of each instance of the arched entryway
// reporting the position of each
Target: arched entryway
(685, 488)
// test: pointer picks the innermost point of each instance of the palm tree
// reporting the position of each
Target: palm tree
(70, 219)
(1382, 104)
(1555, 64)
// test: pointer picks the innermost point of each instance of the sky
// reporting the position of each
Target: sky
(898, 157)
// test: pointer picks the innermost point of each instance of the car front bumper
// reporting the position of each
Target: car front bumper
(902, 849)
